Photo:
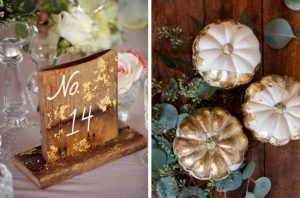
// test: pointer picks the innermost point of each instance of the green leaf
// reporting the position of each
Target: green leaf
(55, 6)
(154, 143)
(159, 159)
(198, 24)
(246, 19)
(62, 45)
(250, 195)
(297, 33)
(292, 4)
(262, 187)
(204, 90)
(230, 183)
(278, 33)
(166, 146)
(21, 31)
(168, 115)
(167, 60)
(167, 187)
(181, 117)
(191, 192)
(163, 144)
(249, 170)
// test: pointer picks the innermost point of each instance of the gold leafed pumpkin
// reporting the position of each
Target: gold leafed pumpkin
(210, 143)
(272, 109)
(226, 54)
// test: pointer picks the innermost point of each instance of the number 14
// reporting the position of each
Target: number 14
(83, 118)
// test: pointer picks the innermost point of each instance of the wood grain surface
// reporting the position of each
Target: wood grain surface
(280, 164)
(68, 95)
(44, 174)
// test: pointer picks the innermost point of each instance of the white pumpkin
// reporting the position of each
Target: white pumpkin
(272, 109)
(226, 54)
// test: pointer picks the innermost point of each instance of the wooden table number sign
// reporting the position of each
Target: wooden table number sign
(79, 121)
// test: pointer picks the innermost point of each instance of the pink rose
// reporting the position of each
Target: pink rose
(130, 68)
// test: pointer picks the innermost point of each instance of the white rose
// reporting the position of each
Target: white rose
(129, 70)
(76, 26)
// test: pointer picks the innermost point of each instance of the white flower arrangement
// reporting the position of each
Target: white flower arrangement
(87, 31)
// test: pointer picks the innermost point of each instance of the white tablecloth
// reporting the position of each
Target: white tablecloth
(126, 177)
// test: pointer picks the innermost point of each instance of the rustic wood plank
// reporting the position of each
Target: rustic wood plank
(77, 88)
(174, 13)
(282, 163)
(44, 174)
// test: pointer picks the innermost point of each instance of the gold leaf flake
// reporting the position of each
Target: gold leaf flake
(82, 145)
(104, 103)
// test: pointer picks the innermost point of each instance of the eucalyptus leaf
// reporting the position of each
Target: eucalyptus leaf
(167, 115)
(204, 90)
(181, 117)
(192, 192)
(278, 33)
(292, 4)
(154, 144)
(246, 19)
(230, 183)
(262, 187)
(166, 146)
(297, 33)
(250, 195)
(159, 159)
(167, 187)
(198, 24)
(249, 170)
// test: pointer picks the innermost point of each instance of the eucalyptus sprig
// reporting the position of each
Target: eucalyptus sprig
(172, 34)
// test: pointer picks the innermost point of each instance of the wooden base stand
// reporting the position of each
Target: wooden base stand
(43, 174)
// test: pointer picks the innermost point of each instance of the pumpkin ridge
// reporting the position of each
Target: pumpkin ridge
(282, 94)
(289, 127)
(212, 37)
(205, 65)
(248, 64)
(206, 161)
(231, 161)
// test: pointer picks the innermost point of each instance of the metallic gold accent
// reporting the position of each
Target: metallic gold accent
(58, 112)
(88, 89)
(210, 143)
(263, 86)
(82, 145)
(52, 154)
(227, 49)
(279, 108)
(219, 78)
(104, 103)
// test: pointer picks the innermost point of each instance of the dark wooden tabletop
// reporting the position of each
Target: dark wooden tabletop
(280, 164)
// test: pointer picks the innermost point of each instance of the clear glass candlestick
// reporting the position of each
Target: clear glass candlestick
(6, 182)
(11, 43)
(126, 100)
(43, 56)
